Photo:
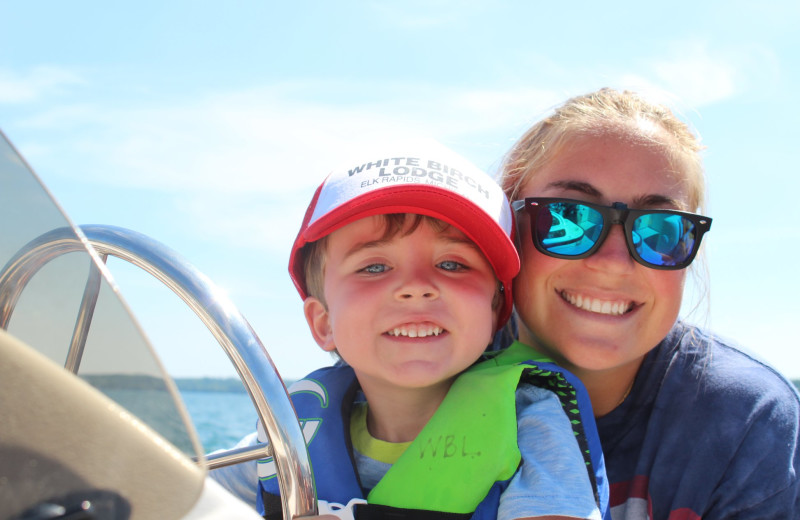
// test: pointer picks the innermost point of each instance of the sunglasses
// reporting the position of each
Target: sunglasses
(572, 229)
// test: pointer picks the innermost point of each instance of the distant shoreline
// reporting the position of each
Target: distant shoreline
(188, 384)
(210, 384)
(216, 384)
(184, 384)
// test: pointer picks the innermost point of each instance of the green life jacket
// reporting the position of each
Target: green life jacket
(460, 461)
(471, 442)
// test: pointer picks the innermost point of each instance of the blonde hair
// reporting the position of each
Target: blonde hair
(603, 111)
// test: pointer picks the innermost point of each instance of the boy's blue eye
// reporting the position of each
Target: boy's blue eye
(452, 265)
(375, 269)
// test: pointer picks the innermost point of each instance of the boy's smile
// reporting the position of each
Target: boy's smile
(408, 311)
(414, 330)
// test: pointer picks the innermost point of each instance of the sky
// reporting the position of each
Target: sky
(207, 126)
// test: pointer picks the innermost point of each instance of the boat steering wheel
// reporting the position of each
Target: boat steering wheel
(228, 326)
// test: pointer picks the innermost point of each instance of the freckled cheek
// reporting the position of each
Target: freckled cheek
(668, 291)
(535, 273)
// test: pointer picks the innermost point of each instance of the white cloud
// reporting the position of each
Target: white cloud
(265, 224)
(29, 87)
(231, 165)
(260, 140)
(220, 144)
(694, 73)
(697, 75)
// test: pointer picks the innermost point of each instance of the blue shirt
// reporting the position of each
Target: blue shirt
(708, 432)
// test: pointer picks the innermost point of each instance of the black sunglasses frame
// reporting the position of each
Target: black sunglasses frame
(617, 213)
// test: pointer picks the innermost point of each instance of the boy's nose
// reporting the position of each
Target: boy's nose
(417, 286)
(412, 294)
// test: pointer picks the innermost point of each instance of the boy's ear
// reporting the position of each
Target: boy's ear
(497, 304)
(319, 322)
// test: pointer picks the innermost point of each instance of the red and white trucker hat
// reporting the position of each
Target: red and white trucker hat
(421, 177)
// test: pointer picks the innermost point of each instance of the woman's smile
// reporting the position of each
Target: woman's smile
(597, 305)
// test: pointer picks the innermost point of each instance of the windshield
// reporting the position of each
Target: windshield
(43, 304)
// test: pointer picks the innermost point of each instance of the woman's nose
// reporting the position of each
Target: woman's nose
(613, 254)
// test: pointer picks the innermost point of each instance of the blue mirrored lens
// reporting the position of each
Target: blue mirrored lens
(572, 229)
(567, 228)
(663, 239)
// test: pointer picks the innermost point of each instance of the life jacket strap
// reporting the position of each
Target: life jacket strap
(380, 512)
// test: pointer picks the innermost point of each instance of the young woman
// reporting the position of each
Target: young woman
(606, 191)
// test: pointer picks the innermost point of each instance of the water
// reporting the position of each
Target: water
(157, 409)
(220, 418)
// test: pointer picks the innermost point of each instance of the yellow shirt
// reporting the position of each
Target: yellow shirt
(366, 444)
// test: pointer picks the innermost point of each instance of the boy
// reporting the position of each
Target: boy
(404, 262)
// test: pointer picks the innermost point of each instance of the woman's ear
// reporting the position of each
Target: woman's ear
(319, 322)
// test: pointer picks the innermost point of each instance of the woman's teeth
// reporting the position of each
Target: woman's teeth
(416, 331)
(613, 308)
